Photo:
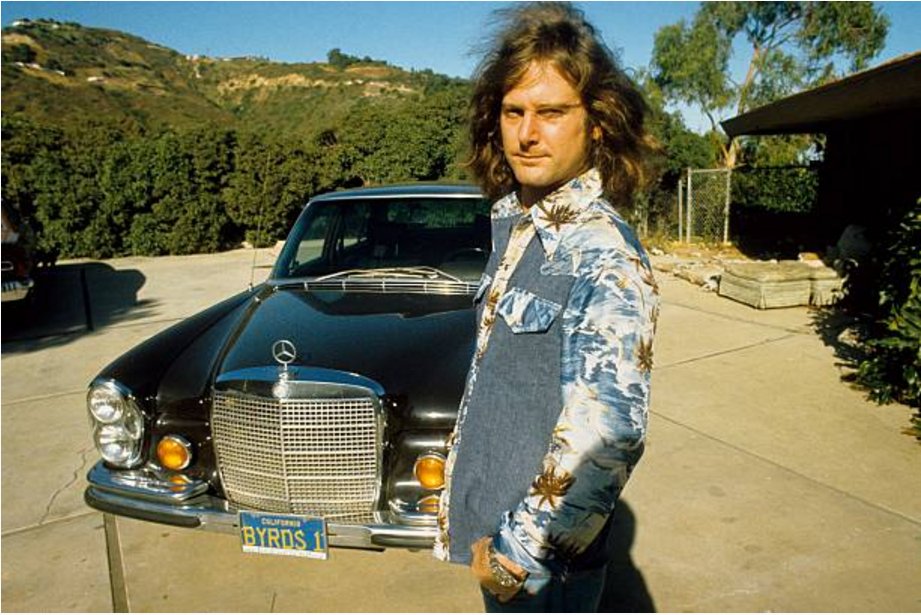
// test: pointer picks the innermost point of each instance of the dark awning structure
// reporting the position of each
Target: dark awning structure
(893, 86)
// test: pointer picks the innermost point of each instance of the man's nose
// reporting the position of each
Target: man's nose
(528, 133)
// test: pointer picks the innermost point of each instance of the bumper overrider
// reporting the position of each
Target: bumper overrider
(147, 494)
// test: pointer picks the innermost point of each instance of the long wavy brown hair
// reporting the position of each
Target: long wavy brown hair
(557, 33)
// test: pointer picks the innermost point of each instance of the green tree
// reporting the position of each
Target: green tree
(22, 141)
(66, 196)
(55, 64)
(203, 224)
(793, 45)
(271, 182)
(171, 188)
(22, 53)
(679, 148)
(126, 184)
(335, 57)
(400, 139)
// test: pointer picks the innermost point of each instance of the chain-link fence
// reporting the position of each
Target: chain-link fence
(703, 205)
(746, 204)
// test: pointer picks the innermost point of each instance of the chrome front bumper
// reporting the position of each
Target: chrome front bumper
(147, 495)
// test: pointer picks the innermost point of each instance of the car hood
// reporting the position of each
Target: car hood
(415, 346)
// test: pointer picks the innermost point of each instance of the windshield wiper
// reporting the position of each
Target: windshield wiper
(429, 273)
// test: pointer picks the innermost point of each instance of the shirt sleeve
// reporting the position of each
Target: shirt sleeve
(607, 329)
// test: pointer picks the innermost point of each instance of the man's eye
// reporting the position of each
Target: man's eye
(551, 114)
(512, 113)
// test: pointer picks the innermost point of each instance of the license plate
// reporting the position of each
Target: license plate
(277, 534)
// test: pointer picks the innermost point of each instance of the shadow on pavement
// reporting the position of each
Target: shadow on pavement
(625, 589)
(69, 301)
(840, 332)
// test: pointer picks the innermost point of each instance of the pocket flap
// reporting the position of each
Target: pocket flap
(525, 312)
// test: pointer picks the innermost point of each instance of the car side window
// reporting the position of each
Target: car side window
(333, 230)
(355, 225)
(310, 248)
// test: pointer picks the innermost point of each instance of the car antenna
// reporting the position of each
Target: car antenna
(265, 181)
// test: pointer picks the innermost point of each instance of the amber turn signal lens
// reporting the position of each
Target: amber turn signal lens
(428, 504)
(430, 470)
(174, 453)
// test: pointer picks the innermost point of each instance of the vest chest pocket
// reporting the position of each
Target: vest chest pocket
(525, 312)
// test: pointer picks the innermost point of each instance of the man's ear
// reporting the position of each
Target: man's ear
(596, 133)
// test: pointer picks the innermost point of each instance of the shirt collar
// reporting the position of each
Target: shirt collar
(554, 214)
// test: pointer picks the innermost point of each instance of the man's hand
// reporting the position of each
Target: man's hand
(481, 570)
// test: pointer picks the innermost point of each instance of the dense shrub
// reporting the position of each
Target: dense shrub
(892, 367)
(100, 191)
(146, 236)
(780, 189)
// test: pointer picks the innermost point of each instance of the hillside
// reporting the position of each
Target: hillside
(63, 73)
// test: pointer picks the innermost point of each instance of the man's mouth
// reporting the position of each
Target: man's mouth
(530, 159)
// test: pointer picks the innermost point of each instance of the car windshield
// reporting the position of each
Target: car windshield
(400, 237)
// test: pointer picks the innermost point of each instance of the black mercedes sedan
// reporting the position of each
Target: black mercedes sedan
(313, 409)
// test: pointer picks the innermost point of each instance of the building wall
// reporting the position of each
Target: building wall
(872, 172)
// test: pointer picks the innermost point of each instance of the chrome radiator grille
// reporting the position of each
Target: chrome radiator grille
(305, 456)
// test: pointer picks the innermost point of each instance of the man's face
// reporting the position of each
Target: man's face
(545, 132)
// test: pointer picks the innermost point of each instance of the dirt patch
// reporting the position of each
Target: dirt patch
(20, 39)
(370, 71)
(258, 82)
(376, 88)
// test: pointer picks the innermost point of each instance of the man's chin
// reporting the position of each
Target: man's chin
(532, 176)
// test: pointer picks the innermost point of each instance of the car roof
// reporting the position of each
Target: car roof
(407, 190)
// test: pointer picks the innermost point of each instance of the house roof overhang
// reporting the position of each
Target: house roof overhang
(893, 86)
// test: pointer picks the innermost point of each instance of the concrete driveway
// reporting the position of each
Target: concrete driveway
(768, 483)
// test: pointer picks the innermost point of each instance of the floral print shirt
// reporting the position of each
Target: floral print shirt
(608, 324)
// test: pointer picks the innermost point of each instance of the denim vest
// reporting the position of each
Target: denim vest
(513, 408)
(556, 406)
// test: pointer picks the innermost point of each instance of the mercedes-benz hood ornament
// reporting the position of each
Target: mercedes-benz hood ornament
(284, 353)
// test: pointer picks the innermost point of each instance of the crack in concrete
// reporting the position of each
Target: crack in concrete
(725, 352)
(804, 330)
(797, 473)
(36, 526)
(44, 397)
(73, 479)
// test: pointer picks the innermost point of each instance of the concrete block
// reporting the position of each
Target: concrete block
(767, 285)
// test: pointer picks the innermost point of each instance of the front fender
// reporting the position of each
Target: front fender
(143, 367)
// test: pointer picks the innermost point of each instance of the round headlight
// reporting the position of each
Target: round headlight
(118, 423)
(429, 470)
(174, 452)
(133, 421)
(117, 445)
(106, 403)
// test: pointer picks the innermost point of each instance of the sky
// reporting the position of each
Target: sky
(440, 36)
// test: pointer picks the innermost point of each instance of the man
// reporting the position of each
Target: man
(554, 413)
